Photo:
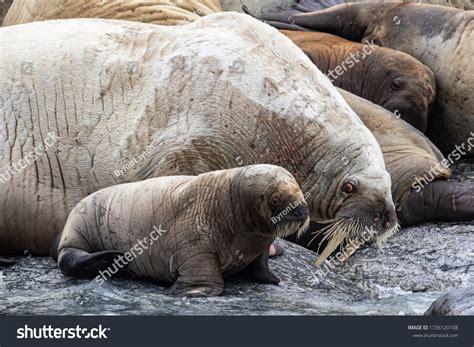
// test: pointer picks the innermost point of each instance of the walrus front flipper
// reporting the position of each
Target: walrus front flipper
(258, 271)
(276, 250)
(199, 276)
(81, 264)
(440, 200)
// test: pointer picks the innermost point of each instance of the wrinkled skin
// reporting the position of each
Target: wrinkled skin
(391, 79)
(162, 12)
(189, 231)
(206, 96)
(408, 155)
(440, 37)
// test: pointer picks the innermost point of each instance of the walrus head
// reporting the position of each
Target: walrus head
(402, 85)
(275, 194)
(355, 199)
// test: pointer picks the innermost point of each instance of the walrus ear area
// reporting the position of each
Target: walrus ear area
(81, 264)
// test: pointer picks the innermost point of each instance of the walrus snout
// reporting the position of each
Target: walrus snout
(411, 110)
(386, 216)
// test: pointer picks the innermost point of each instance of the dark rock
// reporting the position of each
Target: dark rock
(454, 303)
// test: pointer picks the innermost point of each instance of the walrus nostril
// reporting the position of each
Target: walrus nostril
(385, 217)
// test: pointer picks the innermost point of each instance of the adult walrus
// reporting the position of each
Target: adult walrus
(389, 78)
(418, 171)
(188, 230)
(438, 36)
(163, 12)
(224, 91)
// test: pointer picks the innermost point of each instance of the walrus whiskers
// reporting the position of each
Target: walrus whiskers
(349, 229)
(287, 229)
(381, 239)
(332, 224)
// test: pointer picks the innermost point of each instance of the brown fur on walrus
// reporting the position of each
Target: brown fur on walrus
(163, 12)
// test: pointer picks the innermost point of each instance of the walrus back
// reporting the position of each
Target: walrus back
(162, 12)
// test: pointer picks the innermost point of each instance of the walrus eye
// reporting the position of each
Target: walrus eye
(275, 202)
(349, 188)
(396, 84)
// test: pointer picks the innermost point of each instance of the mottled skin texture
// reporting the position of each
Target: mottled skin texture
(438, 36)
(162, 12)
(185, 92)
(389, 78)
(213, 225)
(408, 154)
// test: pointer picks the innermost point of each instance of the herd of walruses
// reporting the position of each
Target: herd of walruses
(342, 117)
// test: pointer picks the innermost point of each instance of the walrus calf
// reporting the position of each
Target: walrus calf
(188, 230)
(392, 79)
(222, 92)
(440, 37)
(162, 12)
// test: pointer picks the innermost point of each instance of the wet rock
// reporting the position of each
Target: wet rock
(454, 303)
(412, 272)
(415, 268)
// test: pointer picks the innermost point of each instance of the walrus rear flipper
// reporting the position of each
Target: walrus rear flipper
(349, 21)
(81, 264)
(6, 262)
(258, 271)
(315, 5)
(278, 19)
(440, 200)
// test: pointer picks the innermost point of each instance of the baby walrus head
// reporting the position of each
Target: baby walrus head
(276, 196)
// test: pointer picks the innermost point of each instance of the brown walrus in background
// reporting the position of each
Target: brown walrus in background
(440, 37)
(389, 78)
(419, 181)
(194, 230)
(163, 12)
